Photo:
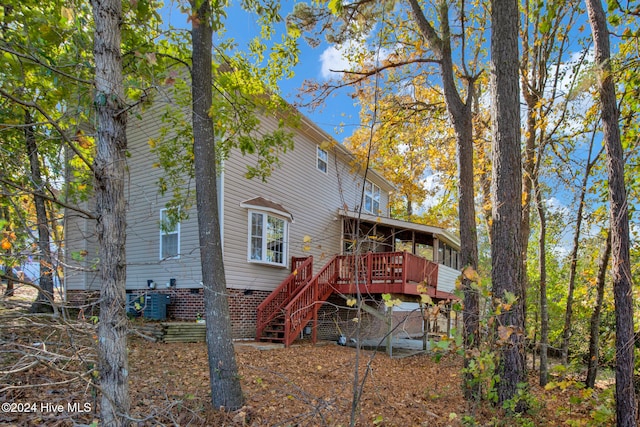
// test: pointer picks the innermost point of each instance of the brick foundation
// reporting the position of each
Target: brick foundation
(187, 304)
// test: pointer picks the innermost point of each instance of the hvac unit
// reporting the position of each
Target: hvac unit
(156, 306)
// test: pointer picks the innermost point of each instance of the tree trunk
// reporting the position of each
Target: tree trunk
(44, 300)
(542, 265)
(506, 246)
(461, 114)
(8, 268)
(573, 266)
(626, 405)
(225, 383)
(109, 166)
(594, 339)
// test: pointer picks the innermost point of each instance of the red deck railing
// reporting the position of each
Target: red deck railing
(305, 304)
(386, 272)
(268, 310)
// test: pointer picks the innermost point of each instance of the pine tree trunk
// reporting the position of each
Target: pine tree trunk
(109, 166)
(44, 300)
(506, 246)
(594, 338)
(626, 405)
(226, 391)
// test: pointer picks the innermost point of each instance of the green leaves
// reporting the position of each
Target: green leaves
(335, 6)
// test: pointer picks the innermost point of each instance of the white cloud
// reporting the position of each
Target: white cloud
(333, 59)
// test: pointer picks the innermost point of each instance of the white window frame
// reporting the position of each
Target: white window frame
(163, 233)
(371, 198)
(265, 215)
(320, 153)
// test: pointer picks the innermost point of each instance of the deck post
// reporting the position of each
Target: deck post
(314, 330)
(389, 343)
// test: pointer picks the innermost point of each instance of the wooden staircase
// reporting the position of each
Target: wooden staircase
(281, 318)
(270, 315)
(296, 301)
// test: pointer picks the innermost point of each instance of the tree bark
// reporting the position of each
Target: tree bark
(594, 338)
(109, 167)
(226, 391)
(626, 405)
(44, 300)
(506, 246)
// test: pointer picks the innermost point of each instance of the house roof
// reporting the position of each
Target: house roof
(266, 205)
(441, 233)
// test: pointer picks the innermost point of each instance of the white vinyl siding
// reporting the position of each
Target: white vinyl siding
(267, 239)
(371, 198)
(169, 237)
(322, 159)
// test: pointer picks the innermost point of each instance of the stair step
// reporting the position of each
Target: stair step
(272, 339)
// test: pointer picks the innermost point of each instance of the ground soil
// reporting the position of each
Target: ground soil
(304, 385)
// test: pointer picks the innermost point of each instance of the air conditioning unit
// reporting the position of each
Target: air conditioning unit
(155, 306)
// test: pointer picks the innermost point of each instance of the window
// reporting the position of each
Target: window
(448, 256)
(267, 239)
(371, 198)
(322, 159)
(169, 236)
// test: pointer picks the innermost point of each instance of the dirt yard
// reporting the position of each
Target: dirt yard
(304, 385)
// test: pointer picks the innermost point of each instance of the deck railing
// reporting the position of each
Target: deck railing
(304, 306)
(387, 267)
(392, 269)
(268, 310)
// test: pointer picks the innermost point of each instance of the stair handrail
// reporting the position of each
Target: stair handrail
(271, 307)
(304, 305)
(300, 309)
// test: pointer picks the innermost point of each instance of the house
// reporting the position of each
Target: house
(307, 219)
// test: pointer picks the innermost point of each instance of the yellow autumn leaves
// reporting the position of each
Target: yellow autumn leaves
(9, 236)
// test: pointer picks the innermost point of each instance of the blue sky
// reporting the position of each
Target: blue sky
(314, 63)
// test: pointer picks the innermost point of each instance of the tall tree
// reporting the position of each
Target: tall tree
(44, 300)
(594, 323)
(546, 32)
(420, 38)
(226, 391)
(542, 268)
(506, 190)
(109, 170)
(626, 404)
(573, 256)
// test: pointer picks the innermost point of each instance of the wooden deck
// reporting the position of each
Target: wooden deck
(388, 272)
(297, 300)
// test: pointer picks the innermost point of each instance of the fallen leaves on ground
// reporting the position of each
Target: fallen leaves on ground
(304, 385)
